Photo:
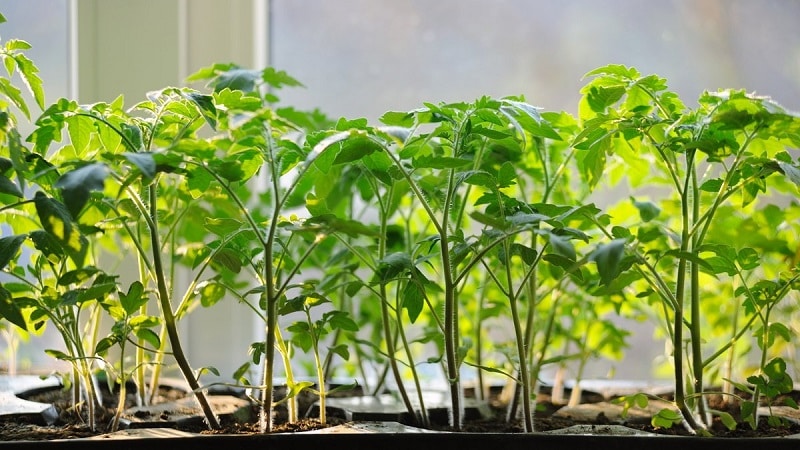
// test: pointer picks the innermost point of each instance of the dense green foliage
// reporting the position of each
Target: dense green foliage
(460, 236)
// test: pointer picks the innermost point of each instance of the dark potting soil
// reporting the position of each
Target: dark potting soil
(70, 425)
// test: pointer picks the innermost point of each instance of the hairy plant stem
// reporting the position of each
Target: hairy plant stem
(513, 302)
(451, 312)
(451, 338)
(387, 327)
(169, 318)
(271, 313)
(527, 409)
(696, 338)
(680, 295)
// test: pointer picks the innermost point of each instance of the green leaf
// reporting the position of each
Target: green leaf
(301, 335)
(601, 97)
(297, 388)
(666, 418)
(80, 130)
(791, 172)
(9, 187)
(489, 219)
(691, 257)
(57, 354)
(618, 70)
(398, 119)
(133, 137)
(629, 401)
(532, 111)
(479, 178)
(440, 162)
(134, 298)
(9, 63)
(15, 95)
(413, 299)
(748, 259)
(9, 247)
(9, 310)
(647, 210)
(104, 344)
(342, 351)
(17, 44)
(748, 409)
(527, 254)
(205, 106)
(727, 420)
(77, 185)
(521, 218)
(592, 159)
(236, 80)
(29, 74)
(57, 222)
(779, 329)
(608, 257)
(48, 245)
(209, 72)
(713, 185)
(149, 336)
(256, 350)
(77, 276)
(562, 246)
(340, 320)
(740, 386)
(393, 265)
(278, 78)
(352, 228)
(210, 293)
(96, 292)
(229, 259)
(507, 175)
(144, 161)
(222, 226)
(237, 100)
(355, 149)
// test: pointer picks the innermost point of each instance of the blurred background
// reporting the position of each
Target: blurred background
(360, 58)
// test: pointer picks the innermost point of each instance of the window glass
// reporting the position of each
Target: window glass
(363, 57)
(43, 24)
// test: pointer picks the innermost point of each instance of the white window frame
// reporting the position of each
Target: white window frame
(131, 47)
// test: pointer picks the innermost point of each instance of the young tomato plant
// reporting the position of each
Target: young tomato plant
(728, 146)
(128, 322)
(49, 275)
(308, 334)
(120, 174)
(263, 227)
(450, 159)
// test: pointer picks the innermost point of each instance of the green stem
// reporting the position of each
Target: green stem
(696, 338)
(451, 338)
(386, 320)
(122, 394)
(680, 295)
(169, 318)
(527, 409)
(286, 356)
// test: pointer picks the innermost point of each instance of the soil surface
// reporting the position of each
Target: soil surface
(71, 425)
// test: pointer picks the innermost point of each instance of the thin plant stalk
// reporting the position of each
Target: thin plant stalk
(169, 318)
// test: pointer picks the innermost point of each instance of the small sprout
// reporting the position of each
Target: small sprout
(666, 418)
(628, 401)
